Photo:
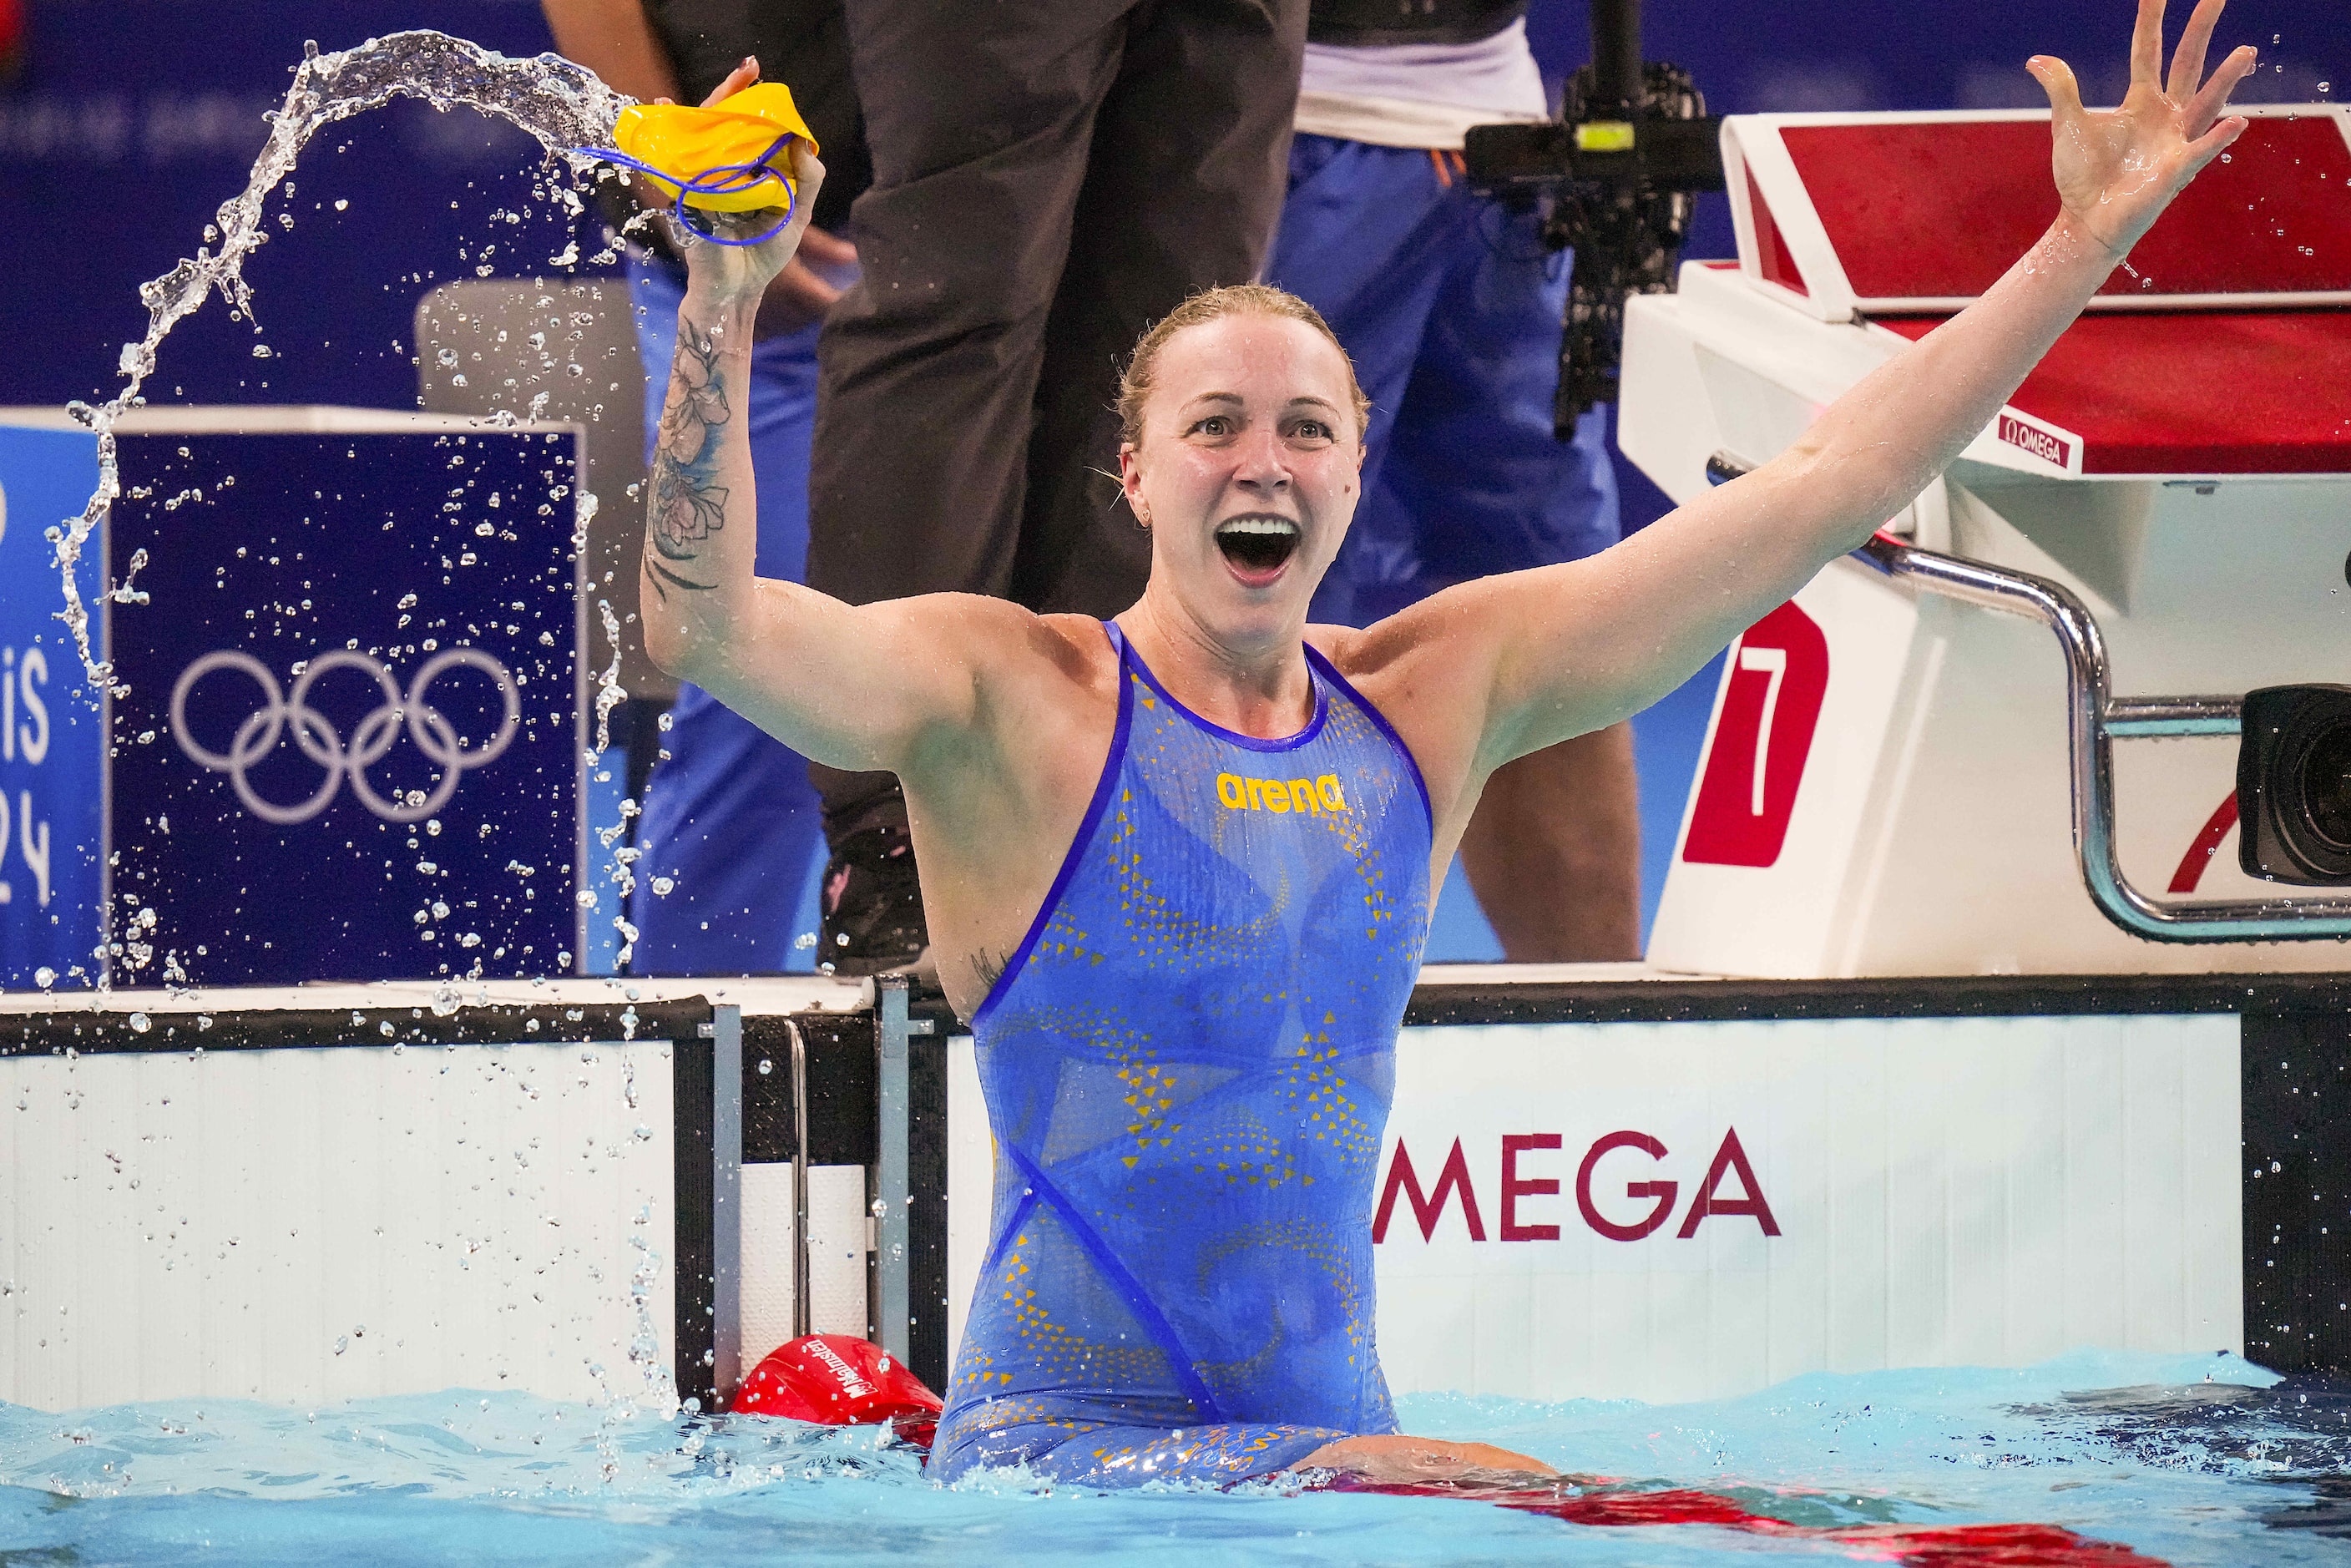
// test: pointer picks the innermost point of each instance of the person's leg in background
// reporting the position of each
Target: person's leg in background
(979, 119)
(1182, 184)
(731, 823)
(1554, 853)
(1362, 239)
(1553, 850)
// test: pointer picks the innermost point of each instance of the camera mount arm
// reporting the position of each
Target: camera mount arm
(1621, 167)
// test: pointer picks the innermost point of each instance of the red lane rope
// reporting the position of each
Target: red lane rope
(1913, 1546)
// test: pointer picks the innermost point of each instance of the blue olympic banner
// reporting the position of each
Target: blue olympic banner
(351, 742)
(52, 747)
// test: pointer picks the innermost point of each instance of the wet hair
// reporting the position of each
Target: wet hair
(1209, 305)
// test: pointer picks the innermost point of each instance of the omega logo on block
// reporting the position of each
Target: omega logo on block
(1729, 1189)
(2042, 445)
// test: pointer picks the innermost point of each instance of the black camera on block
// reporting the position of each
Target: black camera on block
(2294, 785)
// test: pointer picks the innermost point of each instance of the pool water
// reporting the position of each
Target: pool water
(2188, 1460)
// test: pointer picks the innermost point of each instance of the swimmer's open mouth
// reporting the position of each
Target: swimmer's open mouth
(1256, 547)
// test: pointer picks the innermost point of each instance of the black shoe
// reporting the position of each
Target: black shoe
(873, 904)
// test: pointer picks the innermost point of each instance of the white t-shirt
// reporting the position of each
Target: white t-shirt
(1420, 95)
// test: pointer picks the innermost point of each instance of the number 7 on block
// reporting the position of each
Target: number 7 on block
(1773, 662)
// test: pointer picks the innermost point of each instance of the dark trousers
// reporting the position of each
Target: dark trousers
(1050, 178)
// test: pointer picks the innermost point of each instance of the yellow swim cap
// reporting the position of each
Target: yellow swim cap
(679, 147)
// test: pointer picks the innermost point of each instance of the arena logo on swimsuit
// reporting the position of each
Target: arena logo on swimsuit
(1279, 795)
(1625, 1223)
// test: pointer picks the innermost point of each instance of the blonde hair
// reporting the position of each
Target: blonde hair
(1209, 305)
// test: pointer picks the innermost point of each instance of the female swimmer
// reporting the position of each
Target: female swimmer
(1178, 867)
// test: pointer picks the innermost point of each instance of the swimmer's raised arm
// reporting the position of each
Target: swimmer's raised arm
(852, 687)
(1576, 647)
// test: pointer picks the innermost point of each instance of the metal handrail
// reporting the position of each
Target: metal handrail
(2094, 720)
(803, 1310)
(892, 1187)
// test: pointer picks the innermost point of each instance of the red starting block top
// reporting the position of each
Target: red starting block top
(2194, 391)
(2223, 348)
(1880, 213)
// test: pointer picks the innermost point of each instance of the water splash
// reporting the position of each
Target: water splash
(622, 871)
(558, 103)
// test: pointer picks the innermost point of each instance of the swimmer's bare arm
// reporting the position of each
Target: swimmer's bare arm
(1558, 652)
(883, 686)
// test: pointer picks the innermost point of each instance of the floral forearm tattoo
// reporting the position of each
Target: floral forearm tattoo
(688, 505)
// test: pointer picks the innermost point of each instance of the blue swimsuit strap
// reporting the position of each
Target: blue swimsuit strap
(1138, 1301)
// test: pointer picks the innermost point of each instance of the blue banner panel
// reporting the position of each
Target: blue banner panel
(350, 748)
(52, 739)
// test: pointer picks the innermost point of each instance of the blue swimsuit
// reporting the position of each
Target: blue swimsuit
(1187, 1064)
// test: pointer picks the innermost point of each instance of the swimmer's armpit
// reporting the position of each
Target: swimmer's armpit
(689, 503)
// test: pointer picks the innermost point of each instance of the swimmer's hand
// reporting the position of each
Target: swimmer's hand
(1396, 1459)
(731, 273)
(2118, 169)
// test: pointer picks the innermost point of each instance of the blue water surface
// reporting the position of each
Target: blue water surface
(2191, 1460)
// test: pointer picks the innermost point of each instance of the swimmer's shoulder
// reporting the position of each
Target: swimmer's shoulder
(1388, 649)
(1079, 647)
(1012, 645)
(1427, 670)
(984, 644)
(980, 624)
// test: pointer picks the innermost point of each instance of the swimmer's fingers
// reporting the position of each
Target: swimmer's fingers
(2188, 61)
(2056, 80)
(2205, 108)
(739, 79)
(2146, 45)
(807, 172)
(808, 179)
(2213, 142)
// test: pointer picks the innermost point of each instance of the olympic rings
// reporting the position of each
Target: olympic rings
(316, 736)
